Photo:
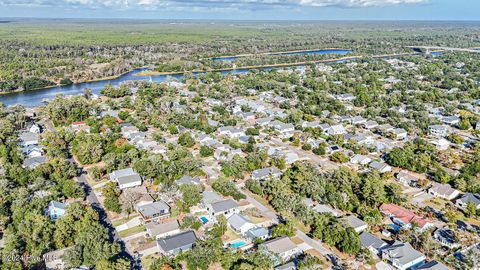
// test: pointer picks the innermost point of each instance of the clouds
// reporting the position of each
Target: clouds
(214, 4)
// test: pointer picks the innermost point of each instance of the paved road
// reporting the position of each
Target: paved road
(315, 244)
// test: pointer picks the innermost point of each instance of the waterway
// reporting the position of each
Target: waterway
(37, 97)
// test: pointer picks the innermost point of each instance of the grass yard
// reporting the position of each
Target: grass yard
(131, 231)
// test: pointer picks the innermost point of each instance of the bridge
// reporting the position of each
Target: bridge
(428, 49)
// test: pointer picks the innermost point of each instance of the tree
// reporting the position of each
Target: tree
(186, 140)
(283, 229)
(350, 242)
(191, 194)
(319, 151)
(338, 157)
(470, 209)
(206, 151)
(128, 200)
(111, 193)
(373, 191)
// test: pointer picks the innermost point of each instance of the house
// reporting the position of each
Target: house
(406, 178)
(240, 223)
(440, 143)
(54, 259)
(382, 167)
(402, 256)
(325, 209)
(172, 245)
(188, 180)
(336, 130)
(357, 224)
(360, 159)
(370, 124)
(33, 162)
(287, 266)
(404, 217)
(126, 178)
(443, 191)
(33, 151)
(225, 207)
(258, 233)
(34, 128)
(345, 97)
(282, 247)
(266, 173)
(358, 120)
(433, 265)
(385, 128)
(466, 198)
(446, 237)
(450, 120)
(56, 210)
(372, 243)
(439, 130)
(306, 124)
(162, 230)
(29, 138)
(81, 126)
(399, 133)
(154, 211)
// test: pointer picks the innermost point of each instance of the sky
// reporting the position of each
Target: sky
(246, 9)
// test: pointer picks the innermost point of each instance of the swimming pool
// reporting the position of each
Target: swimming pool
(238, 244)
(204, 219)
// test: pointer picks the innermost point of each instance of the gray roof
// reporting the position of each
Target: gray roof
(188, 180)
(129, 179)
(403, 253)
(34, 161)
(210, 197)
(470, 197)
(287, 266)
(122, 173)
(161, 228)
(323, 208)
(29, 136)
(224, 205)
(433, 265)
(257, 232)
(237, 221)
(354, 222)
(177, 241)
(279, 245)
(264, 172)
(125, 176)
(370, 240)
(151, 209)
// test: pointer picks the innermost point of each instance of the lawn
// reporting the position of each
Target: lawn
(230, 235)
(131, 231)
(118, 222)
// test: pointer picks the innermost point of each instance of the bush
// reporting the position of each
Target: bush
(307, 147)
(319, 151)
(206, 151)
(227, 188)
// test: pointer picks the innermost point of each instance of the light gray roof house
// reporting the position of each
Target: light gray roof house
(155, 229)
(433, 265)
(126, 178)
(188, 180)
(266, 172)
(154, 210)
(32, 163)
(176, 243)
(372, 242)
(402, 255)
(225, 205)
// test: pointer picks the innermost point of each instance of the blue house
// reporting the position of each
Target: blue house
(55, 210)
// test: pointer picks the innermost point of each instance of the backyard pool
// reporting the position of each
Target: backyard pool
(238, 244)
(204, 219)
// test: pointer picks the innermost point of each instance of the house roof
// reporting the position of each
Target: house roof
(470, 197)
(378, 165)
(177, 241)
(354, 222)
(279, 245)
(237, 221)
(370, 240)
(443, 189)
(34, 161)
(210, 197)
(188, 180)
(264, 172)
(405, 215)
(403, 253)
(257, 232)
(323, 208)
(161, 228)
(225, 205)
(151, 209)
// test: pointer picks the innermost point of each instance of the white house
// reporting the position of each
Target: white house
(360, 159)
(443, 191)
(402, 256)
(336, 130)
(225, 207)
(283, 247)
(126, 178)
(439, 130)
(240, 223)
(372, 243)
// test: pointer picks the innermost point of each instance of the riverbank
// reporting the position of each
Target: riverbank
(158, 73)
(57, 85)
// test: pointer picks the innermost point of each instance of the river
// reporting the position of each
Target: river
(36, 97)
